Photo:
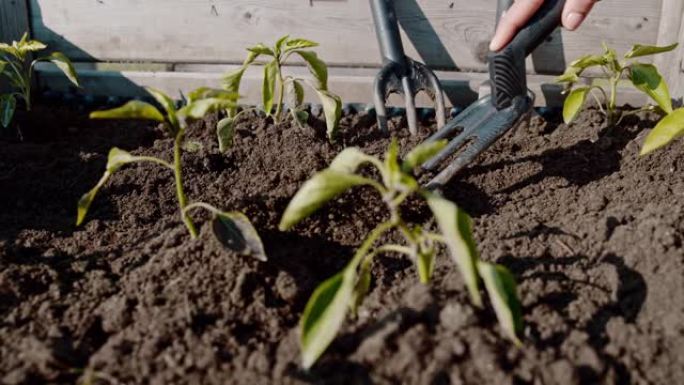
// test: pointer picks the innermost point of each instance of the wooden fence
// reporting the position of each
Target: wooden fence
(181, 44)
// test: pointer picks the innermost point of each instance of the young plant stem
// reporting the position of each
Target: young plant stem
(182, 199)
(281, 93)
(612, 104)
(362, 251)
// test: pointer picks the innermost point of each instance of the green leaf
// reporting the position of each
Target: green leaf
(455, 225)
(570, 76)
(279, 44)
(574, 102)
(269, 86)
(64, 64)
(315, 192)
(207, 93)
(134, 109)
(317, 67)
(8, 104)
(294, 44)
(168, 105)
(668, 129)
(362, 284)
(647, 79)
(646, 50)
(392, 164)
(425, 262)
(3, 64)
(502, 291)
(349, 160)
(588, 61)
(260, 49)
(225, 130)
(332, 108)
(88, 198)
(192, 146)
(231, 81)
(422, 153)
(200, 108)
(118, 158)
(236, 233)
(324, 315)
(295, 93)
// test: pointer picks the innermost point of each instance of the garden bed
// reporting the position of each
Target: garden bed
(591, 231)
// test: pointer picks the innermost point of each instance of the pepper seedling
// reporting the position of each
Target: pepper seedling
(276, 86)
(327, 308)
(15, 66)
(232, 229)
(645, 77)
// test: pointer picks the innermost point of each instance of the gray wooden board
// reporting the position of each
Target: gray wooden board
(445, 34)
(353, 85)
(14, 19)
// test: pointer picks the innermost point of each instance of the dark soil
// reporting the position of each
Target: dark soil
(592, 232)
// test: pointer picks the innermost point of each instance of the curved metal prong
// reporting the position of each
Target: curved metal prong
(438, 96)
(410, 101)
(380, 95)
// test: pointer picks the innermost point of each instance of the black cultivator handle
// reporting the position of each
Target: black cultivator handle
(507, 67)
(387, 30)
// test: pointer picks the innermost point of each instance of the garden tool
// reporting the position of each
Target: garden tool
(510, 103)
(401, 74)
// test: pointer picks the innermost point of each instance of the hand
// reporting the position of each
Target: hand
(521, 11)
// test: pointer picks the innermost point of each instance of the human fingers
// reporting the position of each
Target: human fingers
(575, 12)
(517, 15)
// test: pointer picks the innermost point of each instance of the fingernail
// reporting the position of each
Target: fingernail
(573, 20)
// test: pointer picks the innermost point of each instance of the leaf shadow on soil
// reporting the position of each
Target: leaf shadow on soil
(626, 302)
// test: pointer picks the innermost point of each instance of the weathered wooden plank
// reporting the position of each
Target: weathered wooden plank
(14, 19)
(670, 31)
(353, 85)
(445, 34)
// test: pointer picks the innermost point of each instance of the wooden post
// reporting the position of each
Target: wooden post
(671, 31)
(14, 19)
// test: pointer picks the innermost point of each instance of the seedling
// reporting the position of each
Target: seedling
(276, 86)
(232, 229)
(328, 306)
(645, 77)
(15, 65)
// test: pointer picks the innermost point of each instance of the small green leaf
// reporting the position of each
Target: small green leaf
(279, 44)
(324, 315)
(392, 164)
(168, 105)
(362, 284)
(425, 262)
(207, 93)
(332, 108)
(302, 117)
(231, 81)
(501, 287)
(588, 61)
(571, 76)
(260, 49)
(349, 160)
(88, 198)
(236, 232)
(8, 104)
(294, 44)
(646, 78)
(315, 192)
(118, 158)
(192, 146)
(64, 64)
(668, 129)
(200, 108)
(646, 50)
(132, 110)
(3, 64)
(225, 130)
(455, 225)
(269, 86)
(422, 153)
(295, 93)
(574, 102)
(317, 67)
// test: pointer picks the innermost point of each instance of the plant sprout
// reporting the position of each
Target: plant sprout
(232, 229)
(645, 77)
(276, 86)
(15, 66)
(327, 308)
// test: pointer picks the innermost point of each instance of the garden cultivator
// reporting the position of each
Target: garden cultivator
(481, 124)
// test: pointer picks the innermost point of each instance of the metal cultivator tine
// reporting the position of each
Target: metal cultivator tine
(509, 104)
(401, 74)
